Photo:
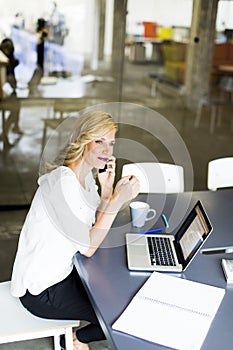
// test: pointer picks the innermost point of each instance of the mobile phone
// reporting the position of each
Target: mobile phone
(104, 169)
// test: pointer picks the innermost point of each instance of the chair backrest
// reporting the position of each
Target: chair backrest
(220, 173)
(157, 177)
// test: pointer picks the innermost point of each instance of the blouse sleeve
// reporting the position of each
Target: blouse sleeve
(69, 208)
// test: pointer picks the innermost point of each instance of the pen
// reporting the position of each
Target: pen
(218, 250)
(157, 230)
(165, 220)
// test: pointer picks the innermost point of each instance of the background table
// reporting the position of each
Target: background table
(111, 285)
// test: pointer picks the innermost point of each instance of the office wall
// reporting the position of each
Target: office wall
(164, 12)
(172, 13)
(224, 15)
(80, 14)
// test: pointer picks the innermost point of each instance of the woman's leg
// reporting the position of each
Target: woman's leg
(66, 300)
(13, 105)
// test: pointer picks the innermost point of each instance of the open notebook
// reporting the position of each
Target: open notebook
(171, 311)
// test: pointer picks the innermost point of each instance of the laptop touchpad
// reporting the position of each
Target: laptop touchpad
(139, 249)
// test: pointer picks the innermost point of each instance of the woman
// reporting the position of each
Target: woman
(7, 47)
(67, 215)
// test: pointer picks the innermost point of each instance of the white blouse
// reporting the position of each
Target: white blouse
(56, 227)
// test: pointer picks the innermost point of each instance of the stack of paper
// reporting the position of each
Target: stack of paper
(171, 311)
(227, 265)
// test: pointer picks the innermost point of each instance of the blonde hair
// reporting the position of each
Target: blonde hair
(90, 126)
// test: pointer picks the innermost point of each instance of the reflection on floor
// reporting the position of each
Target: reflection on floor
(20, 166)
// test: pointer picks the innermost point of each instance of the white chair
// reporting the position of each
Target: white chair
(220, 173)
(157, 177)
(18, 324)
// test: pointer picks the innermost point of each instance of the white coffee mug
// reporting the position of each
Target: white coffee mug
(139, 213)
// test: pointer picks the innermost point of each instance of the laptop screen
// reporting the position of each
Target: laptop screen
(192, 234)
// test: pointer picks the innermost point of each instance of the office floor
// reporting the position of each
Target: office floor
(19, 168)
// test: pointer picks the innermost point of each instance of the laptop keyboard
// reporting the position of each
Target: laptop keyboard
(160, 251)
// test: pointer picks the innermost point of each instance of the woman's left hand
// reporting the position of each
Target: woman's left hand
(106, 178)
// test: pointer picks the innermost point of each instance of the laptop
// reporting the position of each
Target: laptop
(169, 253)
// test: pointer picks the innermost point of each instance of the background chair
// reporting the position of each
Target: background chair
(61, 111)
(64, 108)
(220, 173)
(157, 177)
(218, 98)
(215, 103)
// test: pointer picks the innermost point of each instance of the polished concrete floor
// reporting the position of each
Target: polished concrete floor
(19, 164)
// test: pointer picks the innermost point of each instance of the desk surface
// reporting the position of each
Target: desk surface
(61, 88)
(111, 285)
(54, 89)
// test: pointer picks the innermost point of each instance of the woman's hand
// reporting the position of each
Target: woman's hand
(126, 189)
(106, 178)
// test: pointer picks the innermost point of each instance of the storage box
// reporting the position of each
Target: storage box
(150, 29)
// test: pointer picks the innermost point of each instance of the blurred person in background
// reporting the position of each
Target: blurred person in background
(56, 25)
(7, 47)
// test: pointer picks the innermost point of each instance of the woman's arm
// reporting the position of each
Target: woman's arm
(106, 179)
(126, 189)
